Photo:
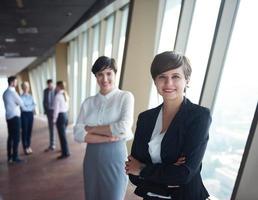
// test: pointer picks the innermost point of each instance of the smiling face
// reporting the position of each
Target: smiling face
(171, 84)
(106, 80)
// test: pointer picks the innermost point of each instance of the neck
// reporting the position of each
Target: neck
(172, 106)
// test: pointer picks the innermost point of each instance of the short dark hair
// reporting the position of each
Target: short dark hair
(11, 79)
(61, 84)
(102, 63)
(170, 60)
(49, 81)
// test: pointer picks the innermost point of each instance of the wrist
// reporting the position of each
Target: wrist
(142, 166)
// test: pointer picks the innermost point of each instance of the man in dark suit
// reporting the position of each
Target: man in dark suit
(48, 100)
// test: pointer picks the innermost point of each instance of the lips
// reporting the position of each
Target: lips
(168, 90)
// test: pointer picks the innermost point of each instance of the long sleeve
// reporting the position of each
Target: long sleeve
(78, 130)
(56, 108)
(18, 100)
(123, 127)
(196, 138)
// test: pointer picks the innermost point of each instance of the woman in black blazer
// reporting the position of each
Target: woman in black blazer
(170, 140)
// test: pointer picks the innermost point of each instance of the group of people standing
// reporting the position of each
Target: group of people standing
(169, 141)
(20, 116)
(55, 103)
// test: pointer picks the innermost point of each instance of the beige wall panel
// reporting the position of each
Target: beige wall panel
(141, 47)
(61, 63)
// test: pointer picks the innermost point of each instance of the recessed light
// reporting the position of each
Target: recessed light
(23, 30)
(68, 14)
(23, 22)
(10, 39)
(11, 54)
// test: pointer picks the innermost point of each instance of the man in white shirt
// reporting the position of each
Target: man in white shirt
(12, 103)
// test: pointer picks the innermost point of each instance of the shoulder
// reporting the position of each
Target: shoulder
(122, 96)
(124, 93)
(150, 112)
(89, 100)
(196, 112)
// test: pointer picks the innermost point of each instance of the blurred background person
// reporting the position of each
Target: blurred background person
(12, 103)
(27, 117)
(60, 118)
(48, 103)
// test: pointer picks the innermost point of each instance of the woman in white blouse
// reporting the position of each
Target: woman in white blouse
(60, 117)
(104, 123)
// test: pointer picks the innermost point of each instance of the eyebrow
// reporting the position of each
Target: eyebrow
(176, 73)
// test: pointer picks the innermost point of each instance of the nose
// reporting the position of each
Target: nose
(168, 81)
(105, 78)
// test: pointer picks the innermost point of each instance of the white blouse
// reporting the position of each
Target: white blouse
(156, 139)
(115, 109)
(60, 105)
(155, 148)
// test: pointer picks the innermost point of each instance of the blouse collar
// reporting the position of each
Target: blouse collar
(108, 95)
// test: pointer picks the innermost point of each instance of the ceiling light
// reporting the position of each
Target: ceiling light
(23, 22)
(10, 40)
(23, 30)
(68, 14)
(14, 54)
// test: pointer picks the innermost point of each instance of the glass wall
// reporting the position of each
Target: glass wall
(167, 39)
(235, 105)
(199, 44)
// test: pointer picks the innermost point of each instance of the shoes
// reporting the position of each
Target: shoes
(10, 160)
(18, 160)
(49, 149)
(28, 151)
(63, 156)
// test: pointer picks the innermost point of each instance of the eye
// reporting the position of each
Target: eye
(99, 74)
(109, 73)
(175, 77)
(161, 77)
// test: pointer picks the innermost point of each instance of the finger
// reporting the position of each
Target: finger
(130, 158)
(181, 158)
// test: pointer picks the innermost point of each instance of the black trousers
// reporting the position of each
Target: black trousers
(26, 125)
(13, 126)
(49, 114)
(61, 125)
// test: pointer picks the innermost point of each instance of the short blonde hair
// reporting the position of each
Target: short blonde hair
(25, 84)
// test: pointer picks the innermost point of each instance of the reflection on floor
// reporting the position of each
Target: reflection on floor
(42, 176)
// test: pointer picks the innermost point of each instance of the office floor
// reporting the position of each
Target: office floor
(42, 176)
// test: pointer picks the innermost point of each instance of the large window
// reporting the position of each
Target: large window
(235, 105)
(199, 43)
(167, 39)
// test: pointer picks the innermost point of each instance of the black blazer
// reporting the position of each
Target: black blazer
(187, 135)
(46, 103)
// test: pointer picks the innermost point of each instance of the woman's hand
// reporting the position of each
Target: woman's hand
(133, 166)
(94, 138)
(180, 161)
(88, 128)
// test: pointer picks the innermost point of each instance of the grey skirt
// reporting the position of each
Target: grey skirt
(104, 171)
